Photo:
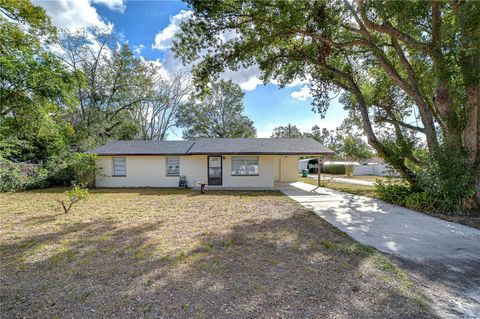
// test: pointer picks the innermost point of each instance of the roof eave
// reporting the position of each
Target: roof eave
(214, 153)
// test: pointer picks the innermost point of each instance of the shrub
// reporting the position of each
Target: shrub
(423, 201)
(446, 178)
(17, 177)
(84, 168)
(334, 169)
(10, 178)
(393, 192)
(74, 195)
(443, 184)
(77, 167)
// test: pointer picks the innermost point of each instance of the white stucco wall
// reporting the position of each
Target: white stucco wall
(285, 168)
(149, 171)
(142, 171)
(264, 178)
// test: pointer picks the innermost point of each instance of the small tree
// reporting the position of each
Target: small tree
(74, 195)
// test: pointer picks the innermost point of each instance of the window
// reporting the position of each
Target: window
(173, 166)
(245, 165)
(119, 166)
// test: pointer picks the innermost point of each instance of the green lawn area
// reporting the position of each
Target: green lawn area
(356, 189)
(369, 178)
(174, 253)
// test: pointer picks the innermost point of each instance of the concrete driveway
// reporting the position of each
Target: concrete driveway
(442, 256)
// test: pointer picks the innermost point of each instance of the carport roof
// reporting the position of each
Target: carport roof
(214, 146)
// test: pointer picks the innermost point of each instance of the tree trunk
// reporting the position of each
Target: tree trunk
(472, 133)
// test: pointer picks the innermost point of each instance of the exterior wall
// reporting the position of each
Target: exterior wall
(374, 169)
(285, 168)
(142, 171)
(276, 168)
(149, 171)
(264, 178)
(194, 167)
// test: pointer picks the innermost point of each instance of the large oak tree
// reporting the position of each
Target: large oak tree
(423, 55)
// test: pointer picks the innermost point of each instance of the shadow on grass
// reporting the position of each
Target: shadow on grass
(152, 191)
(291, 266)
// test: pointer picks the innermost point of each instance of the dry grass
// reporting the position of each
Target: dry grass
(355, 189)
(370, 178)
(171, 253)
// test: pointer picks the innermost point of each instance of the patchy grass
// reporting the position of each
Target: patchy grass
(173, 253)
(355, 189)
(370, 178)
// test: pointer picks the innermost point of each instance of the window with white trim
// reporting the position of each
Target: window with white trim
(244, 165)
(119, 166)
(173, 166)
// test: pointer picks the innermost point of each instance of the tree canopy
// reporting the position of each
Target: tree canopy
(286, 131)
(219, 113)
(422, 55)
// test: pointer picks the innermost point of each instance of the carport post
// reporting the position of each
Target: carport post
(318, 171)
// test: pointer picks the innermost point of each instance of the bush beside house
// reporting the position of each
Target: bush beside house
(76, 168)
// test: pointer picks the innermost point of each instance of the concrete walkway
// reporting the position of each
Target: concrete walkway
(432, 247)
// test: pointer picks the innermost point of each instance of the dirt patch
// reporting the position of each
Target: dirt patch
(172, 253)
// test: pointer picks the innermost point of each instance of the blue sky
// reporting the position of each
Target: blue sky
(149, 27)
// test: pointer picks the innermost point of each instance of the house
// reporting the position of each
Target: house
(220, 162)
(375, 166)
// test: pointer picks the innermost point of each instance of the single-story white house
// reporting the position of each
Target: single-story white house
(219, 162)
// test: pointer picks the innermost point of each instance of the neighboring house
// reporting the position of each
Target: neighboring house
(375, 166)
(312, 164)
(221, 162)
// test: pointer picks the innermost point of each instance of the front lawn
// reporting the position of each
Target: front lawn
(356, 189)
(174, 253)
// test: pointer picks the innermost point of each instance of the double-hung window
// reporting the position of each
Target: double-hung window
(173, 166)
(119, 166)
(244, 165)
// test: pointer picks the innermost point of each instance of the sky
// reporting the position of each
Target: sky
(149, 28)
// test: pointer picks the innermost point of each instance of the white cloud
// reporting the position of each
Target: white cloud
(164, 39)
(247, 78)
(138, 49)
(114, 5)
(302, 95)
(77, 14)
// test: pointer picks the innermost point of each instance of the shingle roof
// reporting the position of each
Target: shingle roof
(254, 146)
(143, 148)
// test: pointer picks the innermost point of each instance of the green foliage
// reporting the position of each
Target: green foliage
(288, 131)
(355, 148)
(444, 185)
(10, 178)
(218, 113)
(19, 177)
(393, 192)
(334, 169)
(73, 196)
(77, 168)
(35, 87)
(448, 178)
(84, 168)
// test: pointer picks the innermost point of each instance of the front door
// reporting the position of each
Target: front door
(214, 170)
